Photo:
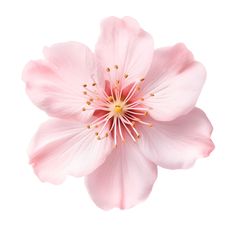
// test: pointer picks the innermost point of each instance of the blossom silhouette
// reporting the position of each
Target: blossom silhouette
(117, 113)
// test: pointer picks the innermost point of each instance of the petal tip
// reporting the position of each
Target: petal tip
(46, 179)
(209, 149)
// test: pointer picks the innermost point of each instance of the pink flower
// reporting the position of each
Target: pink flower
(118, 113)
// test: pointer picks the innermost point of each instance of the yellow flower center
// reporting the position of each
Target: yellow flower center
(118, 109)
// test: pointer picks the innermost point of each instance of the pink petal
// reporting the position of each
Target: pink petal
(56, 85)
(178, 143)
(125, 178)
(61, 147)
(123, 43)
(173, 83)
(74, 62)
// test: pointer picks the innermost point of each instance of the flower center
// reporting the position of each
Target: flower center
(118, 109)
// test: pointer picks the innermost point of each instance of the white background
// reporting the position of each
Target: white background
(198, 201)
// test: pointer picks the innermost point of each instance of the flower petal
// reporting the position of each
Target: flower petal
(61, 147)
(124, 44)
(178, 143)
(173, 83)
(56, 85)
(74, 62)
(125, 178)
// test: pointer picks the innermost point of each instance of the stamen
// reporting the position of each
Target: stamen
(105, 95)
(116, 67)
(133, 104)
(114, 121)
(108, 69)
(120, 93)
(128, 122)
(131, 93)
(91, 91)
(121, 135)
(104, 126)
(111, 90)
(127, 129)
(110, 99)
(137, 113)
(112, 126)
(138, 108)
(126, 76)
(98, 94)
(116, 93)
(95, 122)
(139, 120)
(96, 108)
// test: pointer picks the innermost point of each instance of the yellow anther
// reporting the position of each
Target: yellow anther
(85, 93)
(110, 99)
(142, 99)
(138, 88)
(152, 94)
(150, 125)
(91, 99)
(117, 81)
(96, 133)
(138, 135)
(116, 67)
(84, 85)
(94, 84)
(88, 103)
(142, 79)
(88, 126)
(118, 109)
(126, 75)
(83, 109)
(98, 138)
(108, 69)
(145, 113)
(106, 134)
